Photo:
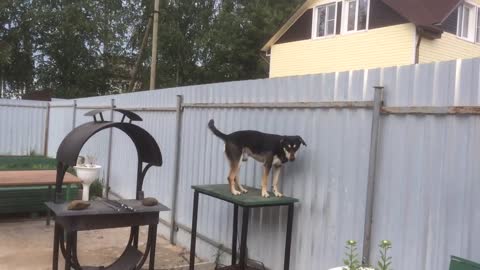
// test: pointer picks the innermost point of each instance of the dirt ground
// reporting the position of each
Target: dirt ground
(27, 245)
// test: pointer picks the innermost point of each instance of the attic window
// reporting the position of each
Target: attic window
(324, 23)
(355, 15)
(467, 22)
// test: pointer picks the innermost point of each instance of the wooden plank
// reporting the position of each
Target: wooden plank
(433, 110)
(33, 178)
(372, 164)
(285, 105)
(151, 109)
(24, 106)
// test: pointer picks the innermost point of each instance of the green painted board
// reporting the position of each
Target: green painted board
(29, 199)
(251, 199)
(457, 263)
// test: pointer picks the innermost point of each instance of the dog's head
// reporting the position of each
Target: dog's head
(290, 145)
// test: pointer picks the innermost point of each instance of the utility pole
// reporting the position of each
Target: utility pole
(153, 67)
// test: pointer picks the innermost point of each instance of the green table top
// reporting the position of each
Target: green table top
(251, 199)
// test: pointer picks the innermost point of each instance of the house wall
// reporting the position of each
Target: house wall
(382, 47)
(300, 30)
(449, 47)
(381, 15)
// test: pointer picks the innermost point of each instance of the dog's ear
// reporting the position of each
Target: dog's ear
(301, 140)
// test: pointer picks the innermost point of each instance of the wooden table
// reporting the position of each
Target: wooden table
(36, 178)
(252, 199)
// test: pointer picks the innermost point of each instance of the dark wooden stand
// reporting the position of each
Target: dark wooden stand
(252, 199)
(102, 216)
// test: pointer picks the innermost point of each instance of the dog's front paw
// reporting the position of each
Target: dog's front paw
(265, 194)
(243, 190)
(277, 194)
(235, 192)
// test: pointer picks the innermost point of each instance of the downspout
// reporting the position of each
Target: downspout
(417, 47)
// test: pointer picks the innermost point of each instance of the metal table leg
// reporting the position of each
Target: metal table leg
(56, 246)
(194, 231)
(153, 241)
(234, 235)
(68, 257)
(243, 243)
(288, 242)
(135, 236)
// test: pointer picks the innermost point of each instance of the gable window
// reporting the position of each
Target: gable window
(355, 15)
(467, 24)
(325, 20)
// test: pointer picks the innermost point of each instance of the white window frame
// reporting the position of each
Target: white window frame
(315, 21)
(473, 22)
(477, 26)
(345, 17)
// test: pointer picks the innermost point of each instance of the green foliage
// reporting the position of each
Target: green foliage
(86, 47)
(13, 163)
(96, 190)
(385, 261)
(351, 260)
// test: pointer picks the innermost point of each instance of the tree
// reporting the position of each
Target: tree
(85, 47)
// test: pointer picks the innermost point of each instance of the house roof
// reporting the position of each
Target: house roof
(425, 13)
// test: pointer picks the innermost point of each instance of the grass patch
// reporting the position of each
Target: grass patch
(10, 163)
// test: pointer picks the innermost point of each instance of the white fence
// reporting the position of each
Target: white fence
(426, 178)
(22, 127)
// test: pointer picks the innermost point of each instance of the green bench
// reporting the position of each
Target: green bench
(27, 191)
(457, 263)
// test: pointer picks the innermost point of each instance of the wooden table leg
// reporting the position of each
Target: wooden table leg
(194, 231)
(56, 246)
(288, 242)
(243, 243)
(50, 196)
(153, 241)
(234, 234)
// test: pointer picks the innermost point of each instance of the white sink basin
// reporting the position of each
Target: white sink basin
(87, 175)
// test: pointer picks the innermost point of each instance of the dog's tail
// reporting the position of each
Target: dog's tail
(218, 133)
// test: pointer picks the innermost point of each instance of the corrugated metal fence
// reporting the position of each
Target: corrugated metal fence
(426, 179)
(22, 127)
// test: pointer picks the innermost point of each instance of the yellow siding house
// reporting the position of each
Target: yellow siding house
(332, 35)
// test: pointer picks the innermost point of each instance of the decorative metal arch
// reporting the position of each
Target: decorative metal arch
(147, 148)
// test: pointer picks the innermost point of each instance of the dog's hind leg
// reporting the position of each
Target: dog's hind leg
(234, 155)
(237, 181)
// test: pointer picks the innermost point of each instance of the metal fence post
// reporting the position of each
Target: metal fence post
(377, 105)
(109, 160)
(74, 120)
(47, 128)
(176, 173)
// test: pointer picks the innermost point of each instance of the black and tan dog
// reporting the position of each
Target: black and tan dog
(269, 149)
